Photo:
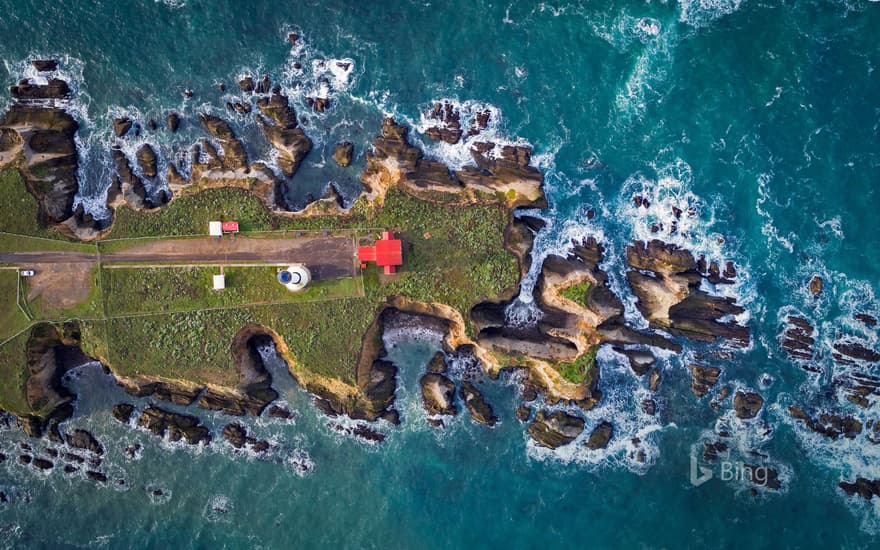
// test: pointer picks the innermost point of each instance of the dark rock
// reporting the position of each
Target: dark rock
(235, 434)
(121, 126)
(798, 338)
(176, 426)
(654, 379)
(96, 476)
(555, 429)
(122, 412)
(854, 350)
(649, 406)
(146, 158)
(865, 488)
(523, 413)
(343, 152)
(279, 412)
(151, 124)
(292, 37)
(816, 285)
(82, 439)
(392, 416)
(640, 361)
(704, 378)
(71, 457)
(246, 84)
(868, 320)
(70, 468)
(173, 122)
(600, 436)
(263, 85)
(43, 464)
(25, 459)
(830, 425)
(476, 404)
(747, 404)
(45, 65)
(438, 363)
(438, 394)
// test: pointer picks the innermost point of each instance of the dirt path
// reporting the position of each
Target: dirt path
(63, 278)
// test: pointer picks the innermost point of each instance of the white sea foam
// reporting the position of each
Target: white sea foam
(700, 13)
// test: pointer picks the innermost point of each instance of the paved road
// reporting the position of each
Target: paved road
(326, 257)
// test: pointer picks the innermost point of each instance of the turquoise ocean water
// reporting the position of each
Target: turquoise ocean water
(762, 116)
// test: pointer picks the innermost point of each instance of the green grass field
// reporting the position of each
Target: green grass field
(453, 254)
(12, 318)
(132, 291)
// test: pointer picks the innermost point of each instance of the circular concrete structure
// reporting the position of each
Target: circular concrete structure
(295, 277)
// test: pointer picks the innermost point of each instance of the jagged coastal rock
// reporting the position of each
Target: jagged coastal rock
(480, 410)
(342, 153)
(438, 394)
(175, 426)
(553, 430)
(747, 404)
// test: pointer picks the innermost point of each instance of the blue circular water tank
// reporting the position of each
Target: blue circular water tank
(284, 277)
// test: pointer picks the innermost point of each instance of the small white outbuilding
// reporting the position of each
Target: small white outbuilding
(219, 282)
(215, 229)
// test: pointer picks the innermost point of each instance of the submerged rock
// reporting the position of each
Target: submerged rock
(438, 394)
(830, 425)
(477, 405)
(553, 430)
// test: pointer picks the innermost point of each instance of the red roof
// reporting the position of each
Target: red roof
(230, 227)
(387, 252)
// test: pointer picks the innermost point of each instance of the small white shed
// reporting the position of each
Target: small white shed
(219, 282)
(215, 229)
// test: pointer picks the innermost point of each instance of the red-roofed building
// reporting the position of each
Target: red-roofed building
(230, 227)
(387, 253)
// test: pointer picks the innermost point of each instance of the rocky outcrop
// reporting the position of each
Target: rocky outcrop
(233, 156)
(509, 178)
(121, 126)
(37, 135)
(448, 127)
(553, 430)
(175, 426)
(438, 394)
(828, 424)
(600, 436)
(640, 361)
(173, 122)
(863, 487)
(480, 410)
(860, 388)
(747, 404)
(704, 378)
(849, 351)
(45, 65)
(237, 436)
(670, 297)
(122, 412)
(816, 285)
(279, 124)
(798, 339)
(81, 439)
(146, 158)
(342, 153)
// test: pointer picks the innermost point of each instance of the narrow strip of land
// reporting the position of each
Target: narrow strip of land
(326, 257)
